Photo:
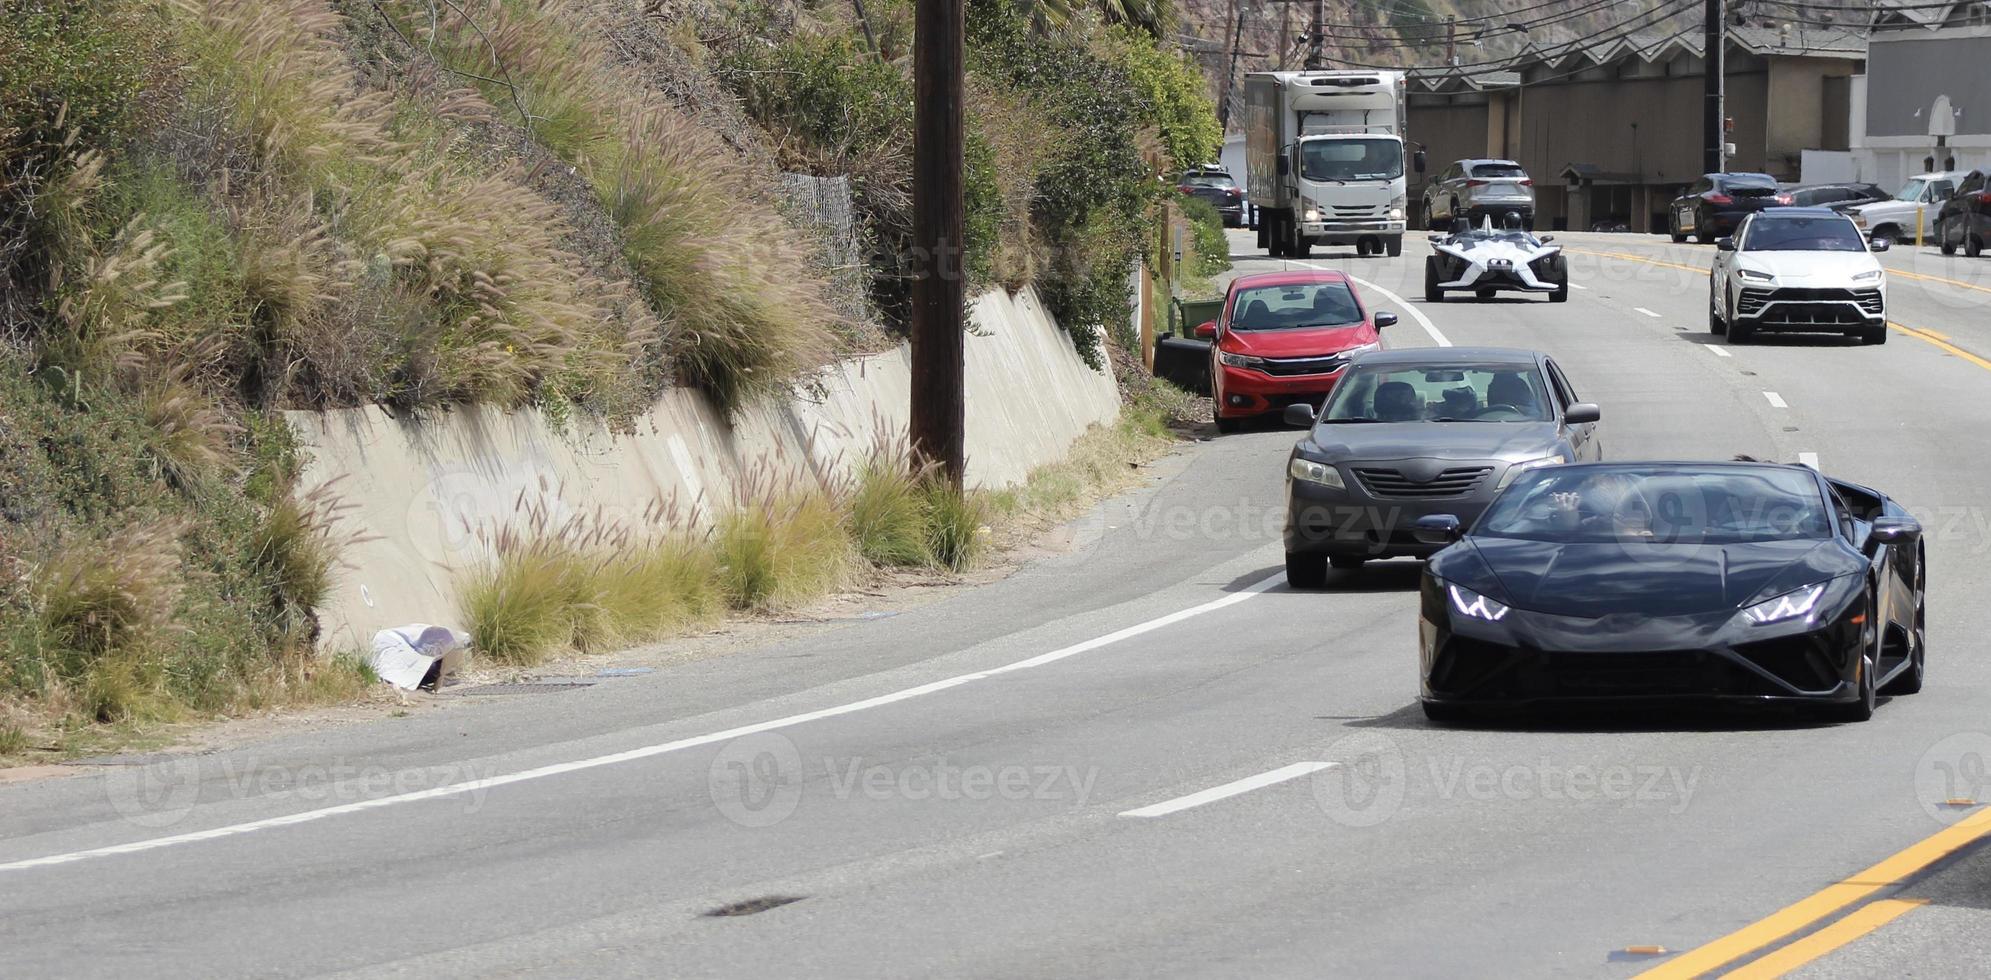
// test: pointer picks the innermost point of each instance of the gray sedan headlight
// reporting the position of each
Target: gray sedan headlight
(1518, 468)
(1306, 469)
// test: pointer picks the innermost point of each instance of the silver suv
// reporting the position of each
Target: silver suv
(1473, 189)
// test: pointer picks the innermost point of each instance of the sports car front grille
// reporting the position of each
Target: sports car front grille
(1455, 482)
(1805, 661)
(1287, 367)
(1803, 305)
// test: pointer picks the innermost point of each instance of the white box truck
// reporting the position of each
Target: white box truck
(1324, 157)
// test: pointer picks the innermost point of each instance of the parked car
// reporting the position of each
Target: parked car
(1798, 269)
(1746, 582)
(1419, 431)
(1476, 189)
(1965, 219)
(1920, 197)
(1285, 338)
(1218, 188)
(1714, 205)
(1838, 197)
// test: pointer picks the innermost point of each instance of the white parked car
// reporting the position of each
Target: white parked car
(1798, 269)
(1895, 220)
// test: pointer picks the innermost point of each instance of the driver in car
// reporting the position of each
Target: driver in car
(1606, 502)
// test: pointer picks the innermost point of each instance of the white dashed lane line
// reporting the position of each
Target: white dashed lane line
(1808, 459)
(1718, 350)
(1647, 312)
(1228, 790)
(1578, 285)
(1776, 400)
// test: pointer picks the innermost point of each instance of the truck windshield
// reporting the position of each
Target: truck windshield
(1911, 191)
(1343, 158)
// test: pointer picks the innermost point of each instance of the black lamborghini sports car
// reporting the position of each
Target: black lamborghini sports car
(1738, 581)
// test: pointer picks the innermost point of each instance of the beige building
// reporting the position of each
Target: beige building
(1613, 133)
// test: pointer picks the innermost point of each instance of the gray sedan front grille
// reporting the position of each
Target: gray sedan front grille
(1455, 482)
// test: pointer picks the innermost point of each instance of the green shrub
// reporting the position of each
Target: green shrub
(1210, 248)
(887, 513)
(957, 526)
(781, 550)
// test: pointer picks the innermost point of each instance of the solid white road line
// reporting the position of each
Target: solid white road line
(1719, 351)
(1776, 400)
(1647, 312)
(1808, 459)
(1227, 790)
(647, 751)
(1401, 303)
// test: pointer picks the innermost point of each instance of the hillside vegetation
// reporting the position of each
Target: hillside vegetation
(214, 211)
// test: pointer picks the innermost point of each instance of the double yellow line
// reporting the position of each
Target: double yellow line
(1891, 873)
(1926, 336)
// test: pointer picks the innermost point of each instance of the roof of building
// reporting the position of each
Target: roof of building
(1566, 57)
(1895, 15)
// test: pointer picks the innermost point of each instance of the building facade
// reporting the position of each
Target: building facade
(1924, 102)
(1611, 134)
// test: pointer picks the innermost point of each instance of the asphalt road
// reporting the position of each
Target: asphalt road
(1143, 758)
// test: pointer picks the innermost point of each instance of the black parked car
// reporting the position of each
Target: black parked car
(1420, 431)
(1965, 220)
(1713, 206)
(1741, 581)
(1838, 197)
(1218, 188)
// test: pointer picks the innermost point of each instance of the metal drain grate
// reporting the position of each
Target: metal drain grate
(753, 905)
(527, 687)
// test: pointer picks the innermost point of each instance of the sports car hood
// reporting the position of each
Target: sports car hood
(1644, 578)
(1298, 341)
(1381, 441)
(1811, 268)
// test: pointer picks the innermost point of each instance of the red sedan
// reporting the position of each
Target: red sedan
(1283, 338)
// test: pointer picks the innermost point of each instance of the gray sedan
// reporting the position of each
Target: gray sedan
(1420, 431)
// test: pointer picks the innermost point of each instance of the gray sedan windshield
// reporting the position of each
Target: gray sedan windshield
(1471, 393)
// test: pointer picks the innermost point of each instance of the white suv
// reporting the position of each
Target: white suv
(1796, 269)
(1894, 220)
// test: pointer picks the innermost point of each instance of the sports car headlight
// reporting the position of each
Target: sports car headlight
(1518, 468)
(1241, 360)
(1754, 276)
(1791, 605)
(1867, 276)
(1312, 472)
(1474, 605)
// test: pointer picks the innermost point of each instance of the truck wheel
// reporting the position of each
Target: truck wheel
(1302, 246)
(1393, 246)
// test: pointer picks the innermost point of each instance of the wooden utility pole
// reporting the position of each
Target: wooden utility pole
(1316, 57)
(1451, 40)
(939, 291)
(1230, 68)
(1714, 43)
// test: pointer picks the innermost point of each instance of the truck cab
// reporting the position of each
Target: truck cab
(1326, 160)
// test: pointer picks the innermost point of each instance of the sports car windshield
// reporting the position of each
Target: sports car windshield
(1314, 304)
(1351, 159)
(1803, 235)
(1454, 393)
(1597, 504)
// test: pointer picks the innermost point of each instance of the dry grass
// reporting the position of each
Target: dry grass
(781, 548)
(100, 605)
(742, 311)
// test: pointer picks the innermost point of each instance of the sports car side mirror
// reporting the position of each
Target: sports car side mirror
(1435, 529)
(1582, 412)
(1299, 415)
(1894, 530)
(1878, 244)
(1725, 244)
(1207, 330)
(1545, 239)
(1385, 319)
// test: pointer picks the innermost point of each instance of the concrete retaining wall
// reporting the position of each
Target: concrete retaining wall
(427, 494)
